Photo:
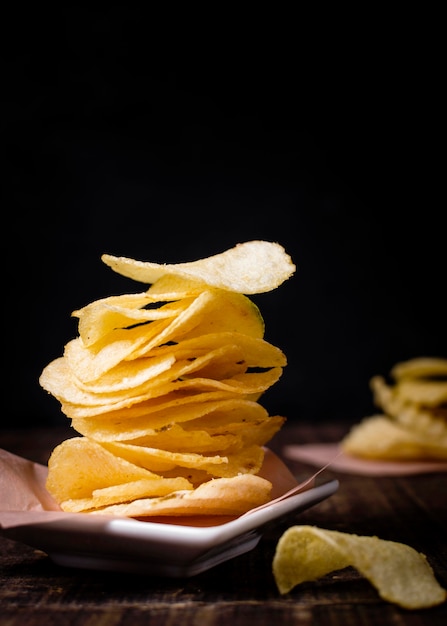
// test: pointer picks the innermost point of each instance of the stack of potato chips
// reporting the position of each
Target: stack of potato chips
(163, 388)
(413, 422)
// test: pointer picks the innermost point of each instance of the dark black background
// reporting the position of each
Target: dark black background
(173, 138)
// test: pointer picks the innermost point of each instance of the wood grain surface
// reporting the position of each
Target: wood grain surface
(36, 592)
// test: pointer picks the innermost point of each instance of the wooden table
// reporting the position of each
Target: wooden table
(413, 510)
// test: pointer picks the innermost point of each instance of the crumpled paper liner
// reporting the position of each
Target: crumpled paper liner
(25, 500)
(22, 485)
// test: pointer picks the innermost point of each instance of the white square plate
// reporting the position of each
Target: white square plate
(166, 547)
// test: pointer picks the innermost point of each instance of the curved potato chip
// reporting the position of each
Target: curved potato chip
(99, 318)
(221, 368)
(211, 312)
(399, 573)
(91, 362)
(430, 423)
(158, 403)
(245, 461)
(378, 437)
(248, 268)
(176, 437)
(73, 469)
(220, 496)
(170, 287)
(419, 394)
(159, 460)
(127, 375)
(242, 384)
(256, 351)
(145, 488)
(197, 413)
(421, 367)
(428, 393)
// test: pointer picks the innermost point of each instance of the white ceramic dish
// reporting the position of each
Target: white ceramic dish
(163, 548)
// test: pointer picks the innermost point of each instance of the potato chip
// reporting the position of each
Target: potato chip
(248, 268)
(153, 422)
(421, 367)
(164, 401)
(159, 460)
(78, 466)
(57, 378)
(127, 343)
(256, 351)
(430, 420)
(117, 494)
(220, 496)
(430, 423)
(172, 287)
(101, 317)
(211, 311)
(399, 573)
(423, 392)
(176, 437)
(245, 461)
(394, 398)
(378, 437)
(257, 432)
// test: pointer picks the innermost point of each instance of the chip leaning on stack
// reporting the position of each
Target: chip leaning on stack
(413, 424)
(163, 388)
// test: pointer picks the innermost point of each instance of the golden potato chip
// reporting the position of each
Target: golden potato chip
(202, 438)
(60, 379)
(125, 343)
(90, 364)
(421, 367)
(257, 432)
(101, 317)
(248, 268)
(256, 351)
(431, 424)
(159, 460)
(172, 287)
(176, 437)
(220, 496)
(211, 311)
(399, 573)
(384, 396)
(394, 398)
(217, 417)
(78, 466)
(158, 403)
(198, 374)
(428, 393)
(378, 437)
(245, 461)
(225, 312)
(117, 494)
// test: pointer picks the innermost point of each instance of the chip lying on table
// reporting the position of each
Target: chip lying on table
(163, 387)
(399, 573)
